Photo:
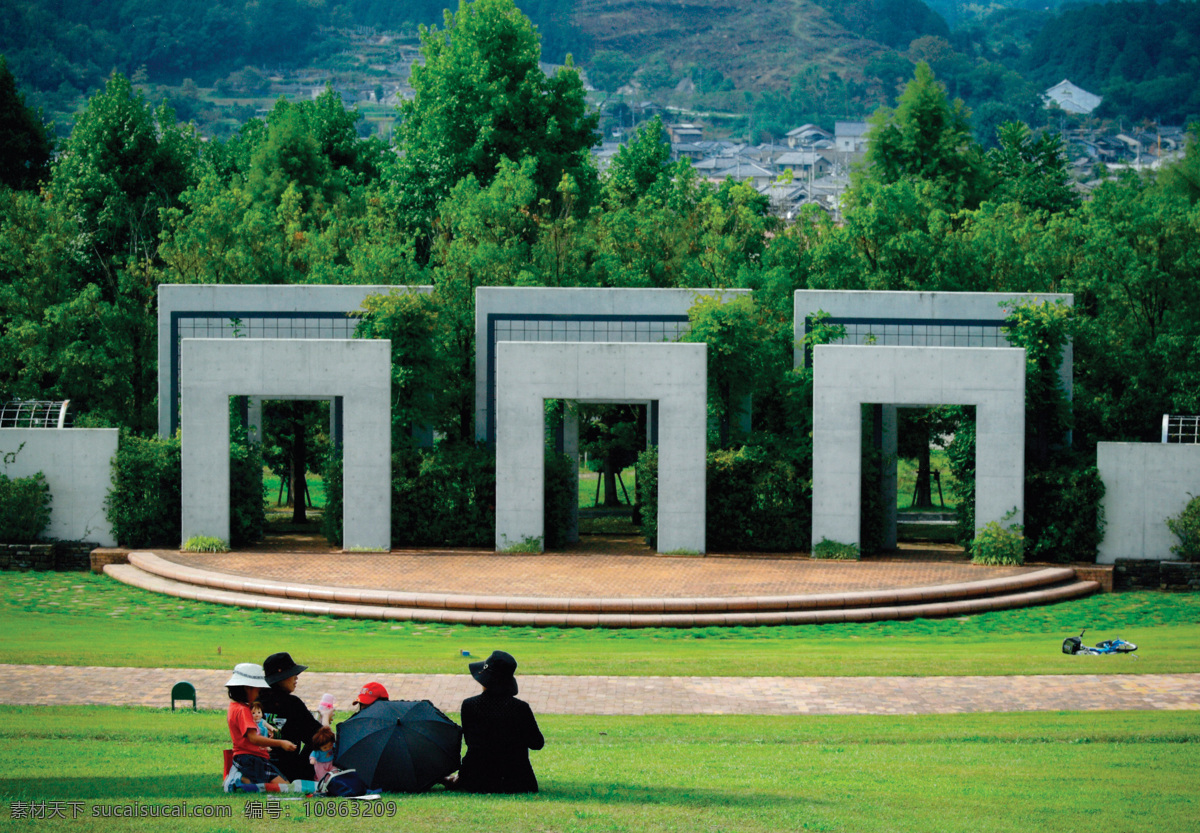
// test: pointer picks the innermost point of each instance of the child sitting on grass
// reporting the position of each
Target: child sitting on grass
(251, 753)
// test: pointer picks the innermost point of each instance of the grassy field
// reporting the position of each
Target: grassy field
(589, 479)
(992, 772)
(906, 479)
(316, 489)
(127, 626)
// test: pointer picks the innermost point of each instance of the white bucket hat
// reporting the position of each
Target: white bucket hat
(248, 673)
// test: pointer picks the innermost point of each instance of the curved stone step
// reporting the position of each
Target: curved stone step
(135, 576)
(1024, 582)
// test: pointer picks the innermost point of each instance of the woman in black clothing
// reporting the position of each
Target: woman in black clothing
(499, 730)
(293, 719)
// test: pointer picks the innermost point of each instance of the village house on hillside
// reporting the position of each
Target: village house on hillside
(1071, 98)
(850, 136)
(808, 135)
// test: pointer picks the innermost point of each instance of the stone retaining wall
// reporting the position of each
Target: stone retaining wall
(64, 556)
(1177, 576)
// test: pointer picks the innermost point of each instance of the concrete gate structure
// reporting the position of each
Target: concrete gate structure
(914, 319)
(674, 375)
(847, 377)
(359, 371)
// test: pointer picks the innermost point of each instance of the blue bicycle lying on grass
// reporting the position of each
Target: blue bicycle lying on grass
(1074, 645)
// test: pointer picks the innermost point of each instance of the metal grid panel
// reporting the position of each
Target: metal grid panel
(1181, 429)
(608, 330)
(929, 334)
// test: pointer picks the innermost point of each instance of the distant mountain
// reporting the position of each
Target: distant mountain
(755, 45)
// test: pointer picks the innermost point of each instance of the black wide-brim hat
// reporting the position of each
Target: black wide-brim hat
(279, 667)
(496, 673)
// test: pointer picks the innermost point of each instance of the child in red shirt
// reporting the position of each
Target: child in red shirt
(251, 752)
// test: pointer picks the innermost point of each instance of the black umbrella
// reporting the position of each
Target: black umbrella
(399, 745)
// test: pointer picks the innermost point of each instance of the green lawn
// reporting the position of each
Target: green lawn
(127, 626)
(1058, 771)
(316, 488)
(589, 479)
(906, 479)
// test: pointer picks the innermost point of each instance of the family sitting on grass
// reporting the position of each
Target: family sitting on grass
(499, 729)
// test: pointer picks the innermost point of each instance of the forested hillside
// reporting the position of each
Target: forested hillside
(762, 67)
(1144, 58)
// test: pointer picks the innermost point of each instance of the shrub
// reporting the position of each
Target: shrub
(1064, 520)
(247, 510)
(144, 506)
(204, 543)
(444, 497)
(560, 499)
(145, 503)
(757, 500)
(647, 494)
(1186, 526)
(24, 508)
(835, 551)
(961, 453)
(331, 516)
(998, 545)
(530, 544)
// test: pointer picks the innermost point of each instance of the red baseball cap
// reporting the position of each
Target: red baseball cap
(371, 692)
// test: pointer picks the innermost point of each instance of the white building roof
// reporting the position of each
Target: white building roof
(1071, 98)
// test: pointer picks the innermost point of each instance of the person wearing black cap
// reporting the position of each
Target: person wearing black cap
(499, 731)
(293, 719)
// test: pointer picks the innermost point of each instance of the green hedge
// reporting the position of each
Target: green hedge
(247, 505)
(1064, 521)
(444, 497)
(561, 499)
(759, 498)
(331, 515)
(647, 494)
(24, 508)
(145, 504)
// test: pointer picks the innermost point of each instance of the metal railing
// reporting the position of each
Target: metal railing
(30, 413)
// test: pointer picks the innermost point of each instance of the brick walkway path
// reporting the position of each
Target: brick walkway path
(69, 685)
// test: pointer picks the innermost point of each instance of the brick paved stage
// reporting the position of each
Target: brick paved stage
(608, 567)
(607, 581)
(69, 685)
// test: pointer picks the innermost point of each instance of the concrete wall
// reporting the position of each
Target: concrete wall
(359, 371)
(307, 312)
(846, 377)
(923, 308)
(77, 463)
(528, 373)
(1144, 484)
(573, 315)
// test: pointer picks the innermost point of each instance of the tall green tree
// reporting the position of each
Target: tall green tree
(25, 143)
(927, 138)
(480, 97)
(89, 333)
(1031, 171)
(122, 165)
